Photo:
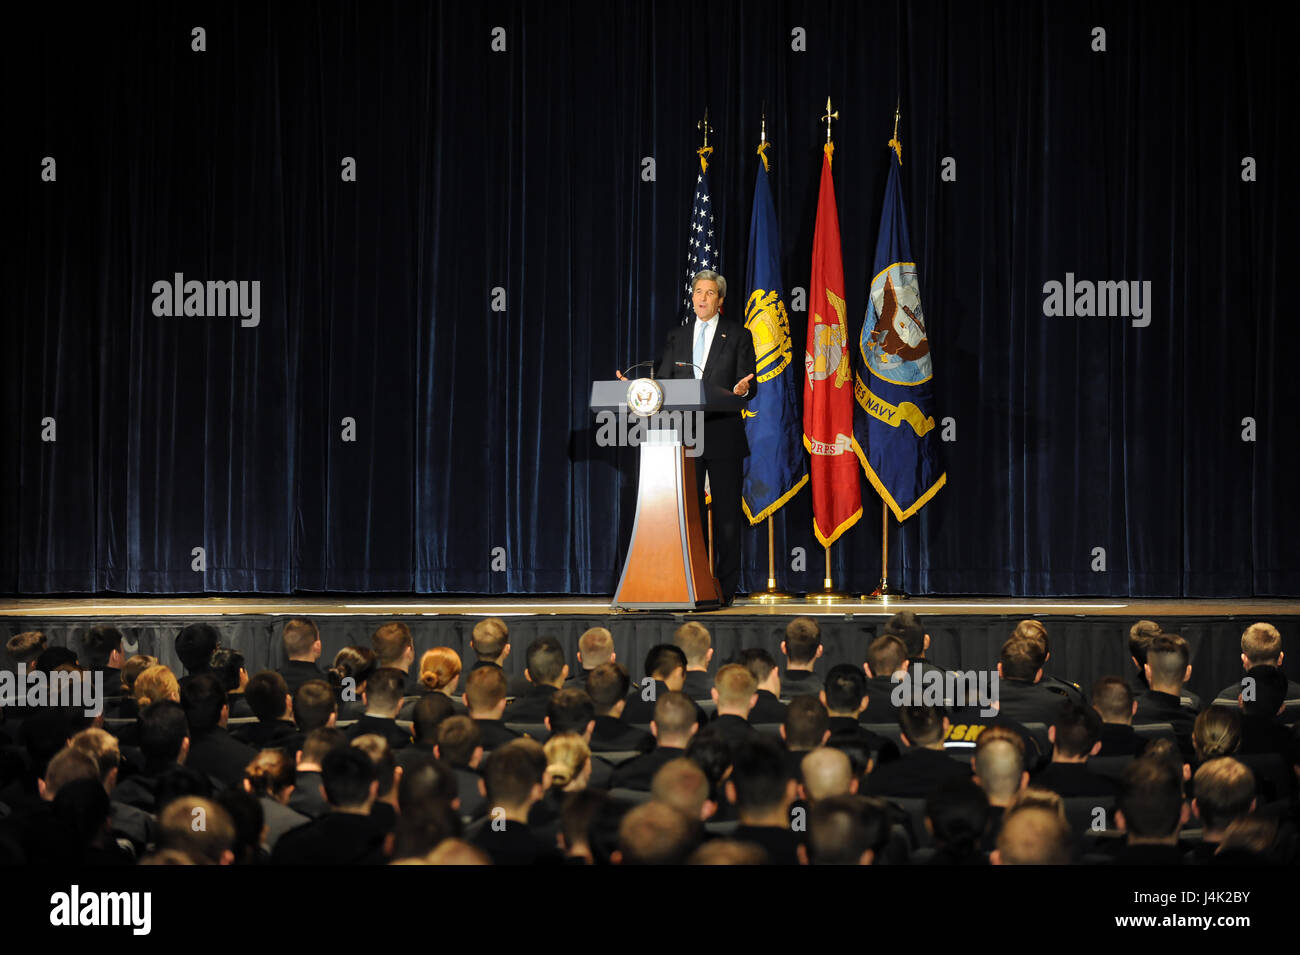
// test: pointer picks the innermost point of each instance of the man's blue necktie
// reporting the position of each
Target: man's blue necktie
(699, 349)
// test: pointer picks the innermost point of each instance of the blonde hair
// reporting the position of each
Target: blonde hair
(1036, 798)
(132, 669)
(101, 746)
(270, 772)
(155, 684)
(439, 667)
(566, 756)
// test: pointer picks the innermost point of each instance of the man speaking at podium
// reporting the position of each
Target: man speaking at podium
(724, 350)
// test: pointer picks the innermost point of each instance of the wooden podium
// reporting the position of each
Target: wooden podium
(667, 566)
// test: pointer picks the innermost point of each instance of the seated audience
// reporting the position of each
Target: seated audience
(1113, 700)
(485, 702)
(801, 647)
(302, 648)
(1167, 668)
(348, 834)
(693, 639)
(608, 686)
(268, 697)
(595, 648)
(1075, 736)
(213, 751)
(383, 698)
(271, 777)
(673, 726)
(768, 707)
(924, 766)
(545, 671)
(1261, 645)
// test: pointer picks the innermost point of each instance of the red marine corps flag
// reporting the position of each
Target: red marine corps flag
(828, 385)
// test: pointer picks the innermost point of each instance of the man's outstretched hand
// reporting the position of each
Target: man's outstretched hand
(621, 377)
(742, 386)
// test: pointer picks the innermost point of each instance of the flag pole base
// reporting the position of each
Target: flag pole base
(830, 595)
(771, 595)
(885, 592)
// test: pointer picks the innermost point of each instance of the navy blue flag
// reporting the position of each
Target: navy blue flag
(775, 468)
(703, 239)
(893, 415)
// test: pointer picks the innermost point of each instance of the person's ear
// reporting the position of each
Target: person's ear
(862, 703)
(397, 777)
(1024, 779)
(1245, 662)
(1183, 816)
(866, 668)
(506, 652)
(464, 698)
(995, 857)
(925, 644)
(819, 651)
(185, 749)
(822, 696)
(616, 857)
(853, 785)
(708, 810)
(906, 663)
(248, 786)
(1051, 735)
(374, 790)
(803, 791)
(906, 742)
(591, 728)
(437, 751)
(476, 758)
(801, 851)
(753, 701)
(1146, 672)
(713, 692)
(1134, 711)
(546, 721)
(1120, 822)
(482, 787)
(225, 712)
(826, 734)
(1187, 772)
(227, 857)
(708, 656)
(1000, 676)
(110, 781)
(40, 788)
(731, 792)
(1196, 808)
(868, 856)
(528, 676)
(781, 730)
(654, 729)
(783, 653)
(288, 706)
(1039, 675)
(613, 657)
(579, 657)
(1096, 748)
(539, 789)
(1187, 675)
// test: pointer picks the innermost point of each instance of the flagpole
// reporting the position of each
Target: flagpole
(883, 591)
(828, 593)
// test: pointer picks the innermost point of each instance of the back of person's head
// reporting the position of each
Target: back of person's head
(424, 825)
(458, 737)
(428, 780)
(1033, 835)
(489, 638)
(806, 723)
(826, 772)
(1034, 630)
(584, 820)
(607, 684)
(674, 716)
(439, 668)
(163, 729)
(132, 668)
(923, 725)
(1252, 836)
(907, 626)
(154, 684)
(81, 811)
(347, 773)
(655, 834)
(300, 637)
(211, 843)
(1021, 658)
(429, 712)
(758, 774)
(382, 755)
(203, 699)
(885, 655)
(544, 661)
(1151, 798)
(98, 645)
(596, 646)
(321, 741)
(1077, 729)
(391, 643)
(803, 638)
(847, 830)
(567, 755)
(485, 689)
(681, 784)
(102, 747)
(512, 776)
(1269, 684)
(351, 668)
(758, 662)
(248, 818)
(1000, 762)
(728, 852)
(270, 773)
(226, 665)
(25, 647)
(846, 685)
(958, 813)
(67, 765)
(1038, 798)
(1140, 636)
(736, 687)
(1113, 699)
(1168, 655)
(1164, 750)
(1216, 732)
(194, 646)
(313, 705)
(694, 640)
(384, 691)
(662, 660)
(1225, 790)
(1262, 643)
(570, 711)
(711, 751)
(268, 695)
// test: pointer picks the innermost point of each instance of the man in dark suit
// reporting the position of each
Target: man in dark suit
(546, 672)
(307, 797)
(805, 728)
(268, 697)
(383, 698)
(693, 639)
(720, 352)
(302, 646)
(101, 649)
(734, 692)
(1021, 695)
(768, 707)
(924, 766)
(595, 648)
(802, 646)
(1261, 645)
(1167, 668)
(845, 698)
(513, 780)
(608, 686)
(1036, 630)
(763, 794)
(673, 726)
(459, 746)
(427, 715)
(1075, 736)
(886, 655)
(348, 834)
(572, 711)
(1112, 698)
(665, 665)
(213, 751)
(485, 701)
(1151, 811)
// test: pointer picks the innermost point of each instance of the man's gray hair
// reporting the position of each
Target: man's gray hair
(711, 276)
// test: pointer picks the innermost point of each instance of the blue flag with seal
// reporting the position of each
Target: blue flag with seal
(775, 468)
(893, 415)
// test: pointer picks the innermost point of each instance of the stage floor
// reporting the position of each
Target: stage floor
(363, 606)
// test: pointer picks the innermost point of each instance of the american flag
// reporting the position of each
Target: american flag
(703, 239)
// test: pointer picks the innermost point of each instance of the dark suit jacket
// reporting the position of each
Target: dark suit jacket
(307, 797)
(386, 727)
(531, 707)
(298, 672)
(698, 685)
(1118, 739)
(1028, 702)
(1157, 707)
(221, 756)
(917, 774)
(340, 838)
(1073, 779)
(639, 773)
(271, 734)
(733, 729)
(768, 709)
(780, 842)
(731, 358)
(639, 710)
(612, 735)
(800, 683)
(495, 733)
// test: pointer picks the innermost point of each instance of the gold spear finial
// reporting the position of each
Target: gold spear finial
(828, 117)
(894, 144)
(703, 125)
